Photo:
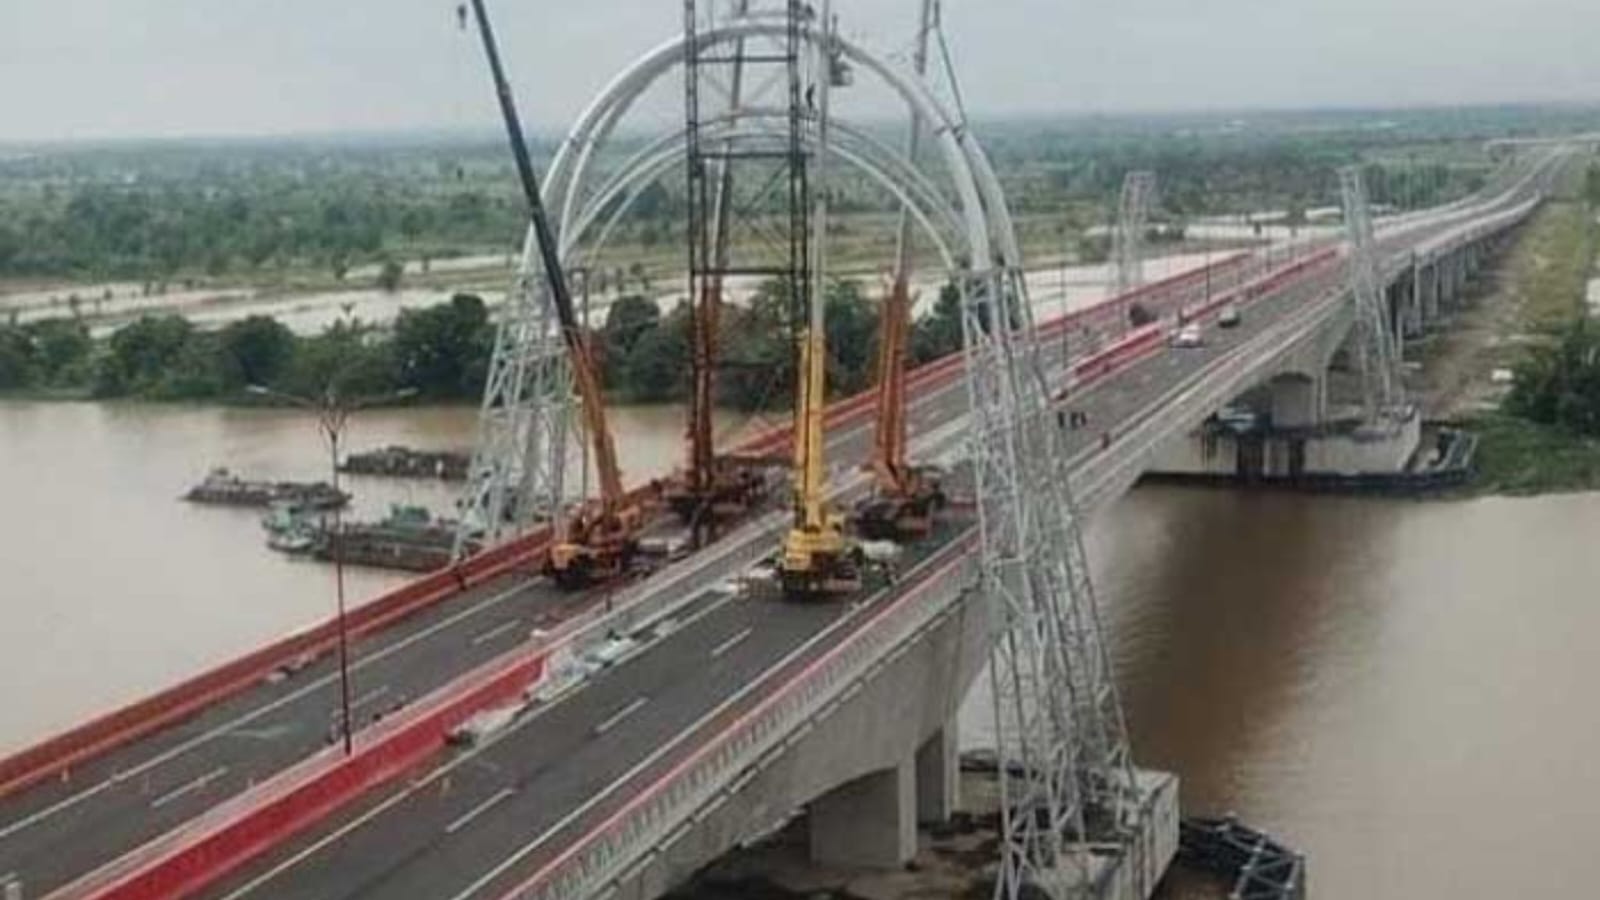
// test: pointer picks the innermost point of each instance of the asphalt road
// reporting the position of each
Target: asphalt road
(479, 817)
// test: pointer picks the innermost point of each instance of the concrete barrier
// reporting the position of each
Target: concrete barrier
(187, 859)
(59, 754)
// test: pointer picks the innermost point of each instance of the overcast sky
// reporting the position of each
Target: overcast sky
(120, 68)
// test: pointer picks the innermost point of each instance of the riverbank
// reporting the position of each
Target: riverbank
(1520, 458)
(1463, 372)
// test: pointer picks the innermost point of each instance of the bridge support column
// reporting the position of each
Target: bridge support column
(1428, 290)
(1297, 402)
(868, 823)
(1411, 320)
(939, 776)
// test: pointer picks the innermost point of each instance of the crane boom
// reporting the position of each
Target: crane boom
(895, 320)
(819, 558)
(584, 374)
(904, 496)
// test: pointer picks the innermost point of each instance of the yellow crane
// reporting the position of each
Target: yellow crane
(819, 558)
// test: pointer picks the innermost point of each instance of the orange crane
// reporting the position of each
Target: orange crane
(597, 541)
(905, 497)
(712, 487)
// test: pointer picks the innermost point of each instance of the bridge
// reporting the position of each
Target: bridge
(719, 711)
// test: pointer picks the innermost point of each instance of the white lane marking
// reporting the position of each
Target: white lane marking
(495, 632)
(369, 696)
(189, 788)
(270, 733)
(733, 700)
(469, 756)
(616, 718)
(253, 715)
(477, 811)
(729, 644)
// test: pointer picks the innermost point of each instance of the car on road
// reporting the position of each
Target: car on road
(1229, 317)
(1188, 336)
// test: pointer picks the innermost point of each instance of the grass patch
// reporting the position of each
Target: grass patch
(1521, 458)
(1551, 266)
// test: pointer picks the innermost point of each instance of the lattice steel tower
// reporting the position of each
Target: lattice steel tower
(748, 198)
(519, 460)
(1066, 772)
(1377, 356)
(1127, 241)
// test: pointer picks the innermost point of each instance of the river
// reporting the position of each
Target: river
(1400, 689)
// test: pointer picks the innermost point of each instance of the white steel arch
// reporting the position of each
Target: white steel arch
(569, 173)
(1060, 725)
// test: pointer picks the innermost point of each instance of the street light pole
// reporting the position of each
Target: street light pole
(333, 412)
(333, 416)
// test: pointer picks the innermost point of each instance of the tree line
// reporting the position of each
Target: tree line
(646, 351)
(443, 352)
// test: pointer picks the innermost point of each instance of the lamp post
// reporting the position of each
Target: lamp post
(333, 412)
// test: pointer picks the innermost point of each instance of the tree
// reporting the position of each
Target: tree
(443, 350)
(938, 333)
(254, 350)
(630, 318)
(17, 368)
(852, 326)
(141, 353)
(61, 349)
(1559, 384)
(390, 273)
(345, 357)
(758, 366)
(657, 362)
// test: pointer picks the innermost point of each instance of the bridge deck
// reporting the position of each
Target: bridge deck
(59, 830)
(482, 818)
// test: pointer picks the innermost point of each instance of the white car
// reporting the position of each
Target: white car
(1229, 317)
(1188, 336)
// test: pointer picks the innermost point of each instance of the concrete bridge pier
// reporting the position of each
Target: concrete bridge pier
(1298, 400)
(1449, 280)
(868, 823)
(1427, 277)
(871, 822)
(1407, 307)
(939, 776)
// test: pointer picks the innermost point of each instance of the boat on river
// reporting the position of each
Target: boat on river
(222, 487)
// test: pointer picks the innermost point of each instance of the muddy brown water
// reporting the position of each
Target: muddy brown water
(1401, 689)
